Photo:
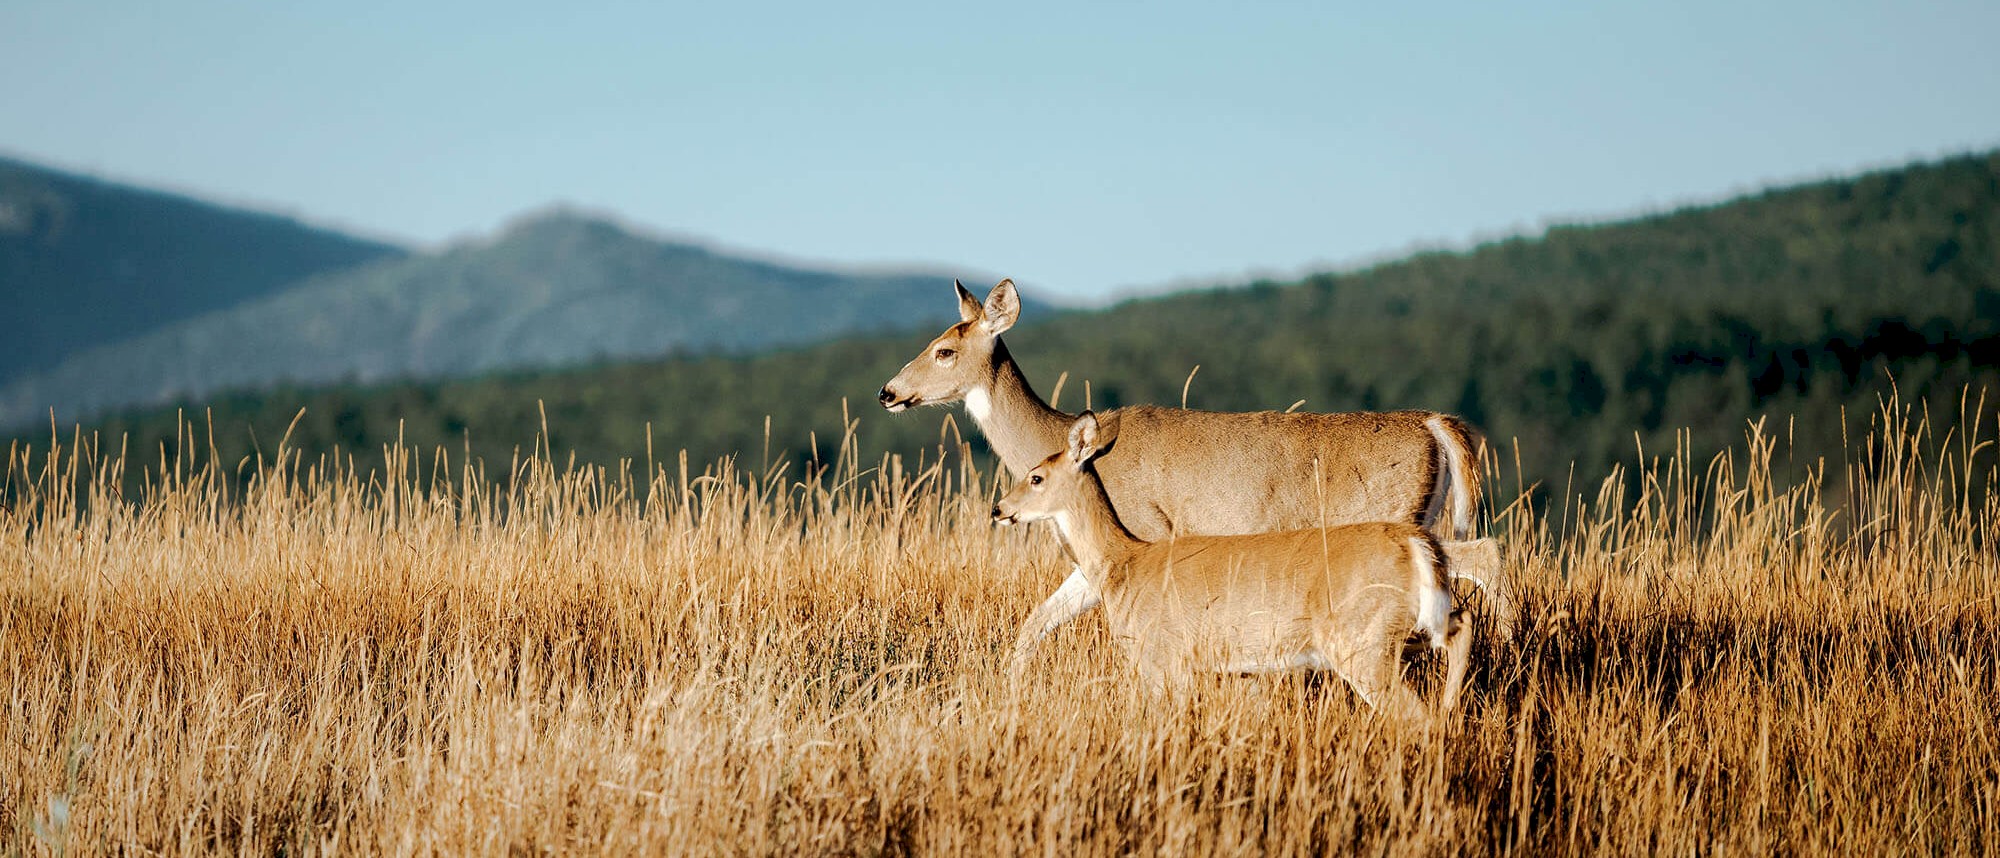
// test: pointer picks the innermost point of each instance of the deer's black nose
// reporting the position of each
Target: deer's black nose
(996, 510)
(885, 397)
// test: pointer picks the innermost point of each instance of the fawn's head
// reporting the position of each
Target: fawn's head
(961, 359)
(1062, 482)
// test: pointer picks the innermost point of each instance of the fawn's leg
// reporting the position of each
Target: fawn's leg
(1075, 596)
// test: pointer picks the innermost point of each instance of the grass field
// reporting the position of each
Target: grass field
(398, 654)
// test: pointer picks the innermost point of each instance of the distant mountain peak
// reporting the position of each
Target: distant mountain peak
(559, 216)
(564, 228)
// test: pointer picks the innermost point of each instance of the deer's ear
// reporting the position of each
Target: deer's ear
(968, 306)
(1087, 439)
(1107, 431)
(1003, 308)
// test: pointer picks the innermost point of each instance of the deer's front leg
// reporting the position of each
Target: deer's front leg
(1075, 596)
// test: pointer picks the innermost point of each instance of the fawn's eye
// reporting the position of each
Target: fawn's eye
(1035, 479)
(945, 354)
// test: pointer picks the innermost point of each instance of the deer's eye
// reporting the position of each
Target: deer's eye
(1035, 479)
(946, 354)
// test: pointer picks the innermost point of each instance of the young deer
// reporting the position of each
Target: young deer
(1183, 472)
(1344, 599)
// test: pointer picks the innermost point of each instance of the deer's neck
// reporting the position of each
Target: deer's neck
(1096, 538)
(1019, 426)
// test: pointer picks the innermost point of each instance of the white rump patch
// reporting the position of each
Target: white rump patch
(1433, 602)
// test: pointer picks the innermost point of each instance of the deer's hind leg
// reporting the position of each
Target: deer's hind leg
(1369, 657)
(1458, 652)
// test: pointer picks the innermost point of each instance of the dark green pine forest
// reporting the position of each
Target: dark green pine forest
(1574, 346)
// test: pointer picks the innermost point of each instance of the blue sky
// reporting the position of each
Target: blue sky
(1081, 149)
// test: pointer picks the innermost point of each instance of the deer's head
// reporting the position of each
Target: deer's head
(960, 360)
(1061, 485)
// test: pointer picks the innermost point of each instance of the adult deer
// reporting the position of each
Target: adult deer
(1181, 472)
(1341, 598)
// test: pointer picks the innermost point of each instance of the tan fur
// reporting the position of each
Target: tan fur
(1344, 598)
(1182, 472)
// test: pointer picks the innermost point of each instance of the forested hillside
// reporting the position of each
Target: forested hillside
(1800, 300)
(85, 262)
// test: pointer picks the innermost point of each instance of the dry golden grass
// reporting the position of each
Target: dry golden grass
(409, 657)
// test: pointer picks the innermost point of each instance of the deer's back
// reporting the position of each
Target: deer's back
(1175, 471)
(1258, 591)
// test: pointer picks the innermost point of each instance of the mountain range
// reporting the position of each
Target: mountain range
(136, 298)
(86, 262)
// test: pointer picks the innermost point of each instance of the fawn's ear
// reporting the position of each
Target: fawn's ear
(1088, 438)
(968, 306)
(1003, 308)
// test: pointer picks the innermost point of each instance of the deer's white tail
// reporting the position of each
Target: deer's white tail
(1433, 594)
(1461, 452)
(1458, 476)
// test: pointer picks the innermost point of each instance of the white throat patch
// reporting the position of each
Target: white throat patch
(978, 403)
(1062, 523)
